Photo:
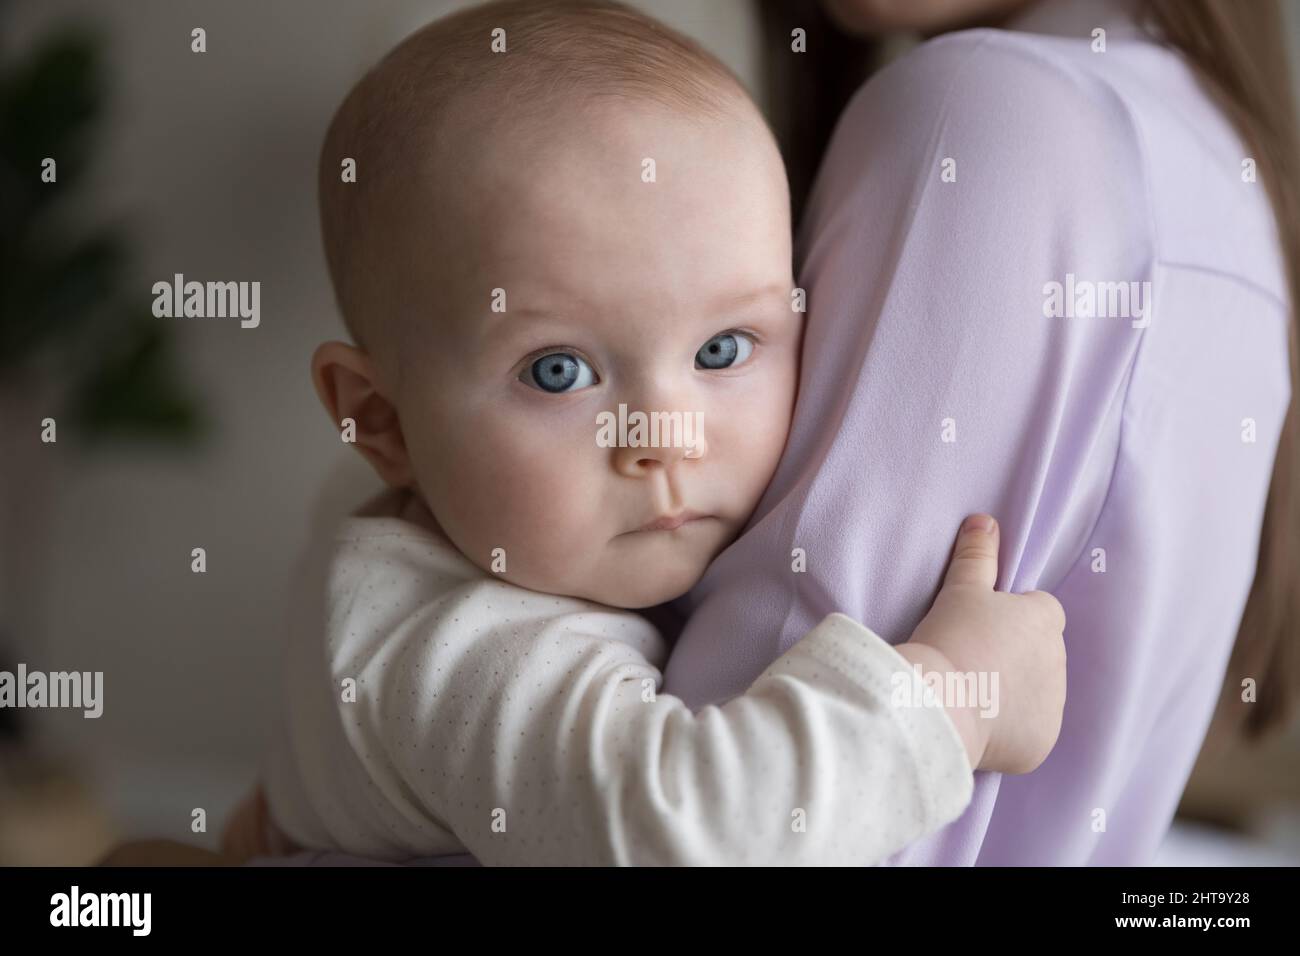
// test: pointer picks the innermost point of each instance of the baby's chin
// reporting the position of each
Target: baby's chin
(636, 570)
(651, 568)
(637, 592)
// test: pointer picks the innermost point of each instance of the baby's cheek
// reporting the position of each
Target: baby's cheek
(551, 528)
(539, 501)
(751, 435)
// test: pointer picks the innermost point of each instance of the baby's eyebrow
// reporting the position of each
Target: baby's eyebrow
(504, 327)
(734, 302)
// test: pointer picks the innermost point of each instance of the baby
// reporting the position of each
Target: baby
(537, 217)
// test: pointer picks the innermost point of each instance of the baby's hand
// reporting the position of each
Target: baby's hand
(250, 832)
(242, 837)
(1019, 637)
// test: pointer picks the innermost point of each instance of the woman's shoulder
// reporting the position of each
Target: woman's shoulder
(1017, 139)
(1026, 93)
(1123, 135)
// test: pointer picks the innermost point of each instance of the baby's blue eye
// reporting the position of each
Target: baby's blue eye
(723, 351)
(559, 372)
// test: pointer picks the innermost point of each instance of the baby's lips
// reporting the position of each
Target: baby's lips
(673, 521)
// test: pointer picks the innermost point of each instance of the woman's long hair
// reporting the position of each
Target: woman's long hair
(1236, 46)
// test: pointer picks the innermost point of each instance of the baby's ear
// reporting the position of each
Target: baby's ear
(348, 384)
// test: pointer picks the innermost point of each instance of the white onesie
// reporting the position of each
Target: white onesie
(434, 709)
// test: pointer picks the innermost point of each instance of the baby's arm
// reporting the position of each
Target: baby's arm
(647, 782)
(575, 758)
(544, 741)
(650, 801)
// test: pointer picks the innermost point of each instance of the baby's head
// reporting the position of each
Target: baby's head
(558, 209)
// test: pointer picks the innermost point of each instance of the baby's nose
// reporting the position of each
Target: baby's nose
(645, 441)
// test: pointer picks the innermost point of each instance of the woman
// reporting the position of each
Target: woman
(1045, 281)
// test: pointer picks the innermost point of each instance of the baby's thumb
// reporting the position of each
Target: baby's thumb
(975, 556)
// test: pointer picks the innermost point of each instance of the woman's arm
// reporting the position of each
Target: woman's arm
(961, 189)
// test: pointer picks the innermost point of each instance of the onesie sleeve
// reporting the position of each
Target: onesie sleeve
(533, 730)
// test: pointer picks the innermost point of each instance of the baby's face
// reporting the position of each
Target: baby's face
(672, 295)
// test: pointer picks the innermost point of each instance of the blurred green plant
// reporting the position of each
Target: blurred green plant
(65, 319)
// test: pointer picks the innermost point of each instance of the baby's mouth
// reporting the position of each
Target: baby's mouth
(672, 522)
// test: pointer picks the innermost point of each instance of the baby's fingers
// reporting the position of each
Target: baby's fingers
(1050, 608)
(975, 556)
